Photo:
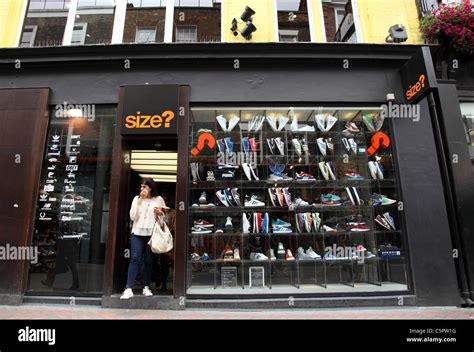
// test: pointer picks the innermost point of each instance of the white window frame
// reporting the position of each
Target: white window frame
(288, 32)
(149, 28)
(33, 36)
(84, 32)
(182, 27)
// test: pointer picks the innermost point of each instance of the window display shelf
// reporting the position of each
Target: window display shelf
(266, 161)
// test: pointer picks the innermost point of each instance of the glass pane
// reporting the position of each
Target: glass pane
(69, 230)
(296, 192)
(41, 30)
(293, 23)
(145, 22)
(93, 25)
(197, 21)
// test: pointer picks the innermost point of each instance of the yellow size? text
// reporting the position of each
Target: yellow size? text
(149, 121)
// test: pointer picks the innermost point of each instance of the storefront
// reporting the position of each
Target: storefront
(288, 184)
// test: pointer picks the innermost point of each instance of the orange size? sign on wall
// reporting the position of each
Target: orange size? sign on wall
(416, 88)
(139, 121)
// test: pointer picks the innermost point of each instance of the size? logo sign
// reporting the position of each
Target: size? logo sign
(416, 88)
(139, 121)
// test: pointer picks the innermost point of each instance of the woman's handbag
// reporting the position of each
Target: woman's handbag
(161, 240)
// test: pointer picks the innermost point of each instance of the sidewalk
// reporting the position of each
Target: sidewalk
(44, 311)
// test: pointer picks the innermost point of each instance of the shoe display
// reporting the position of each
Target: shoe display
(295, 196)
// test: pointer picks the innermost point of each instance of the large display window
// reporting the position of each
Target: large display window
(73, 205)
(286, 200)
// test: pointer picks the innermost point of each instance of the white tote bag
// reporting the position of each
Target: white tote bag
(161, 240)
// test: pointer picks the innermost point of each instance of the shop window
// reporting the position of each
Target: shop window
(467, 110)
(186, 33)
(145, 21)
(197, 21)
(69, 230)
(99, 16)
(48, 27)
(293, 16)
(293, 199)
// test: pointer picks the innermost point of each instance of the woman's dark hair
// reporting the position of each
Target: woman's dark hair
(152, 184)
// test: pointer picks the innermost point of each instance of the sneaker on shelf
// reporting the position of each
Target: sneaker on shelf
(332, 170)
(128, 293)
(228, 194)
(281, 229)
(303, 176)
(280, 196)
(304, 146)
(222, 122)
(222, 198)
(282, 121)
(322, 146)
(257, 222)
(260, 257)
(198, 230)
(271, 254)
(373, 169)
(352, 127)
(330, 122)
(358, 227)
(312, 253)
(357, 199)
(281, 249)
(324, 170)
(280, 145)
(245, 223)
(235, 195)
(259, 123)
(329, 146)
(345, 143)
(203, 223)
(229, 145)
(251, 123)
(272, 195)
(287, 194)
(236, 254)
(229, 255)
(271, 145)
(379, 168)
(233, 121)
(246, 168)
(205, 257)
(193, 172)
(297, 146)
(316, 221)
(308, 222)
(382, 222)
(300, 202)
(390, 220)
(253, 144)
(195, 257)
(294, 122)
(280, 222)
(279, 177)
(300, 222)
(329, 256)
(202, 198)
(202, 130)
(245, 144)
(321, 122)
(289, 255)
(272, 122)
(353, 175)
(253, 202)
(385, 200)
(353, 145)
(349, 194)
(253, 172)
(228, 223)
(326, 228)
(302, 255)
(330, 199)
(265, 223)
(220, 146)
(369, 255)
(360, 248)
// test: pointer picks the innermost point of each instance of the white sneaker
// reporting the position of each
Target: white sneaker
(233, 122)
(202, 198)
(254, 202)
(302, 255)
(379, 170)
(228, 223)
(260, 256)
(353, 145)
(324, 170)
(320, 119)
(147, 292)
(236, 254)
(373, 169)
(321, 145)
(330, 122)
(222, 122)
(281, 145)
(297, 146)
(272, 122)
(252, 123)
(245, 224)
(312, 253)
(346, 144)
(253, 172)
(128, 293)
(259, 123)
(294, 124)
(246, 167)
(272, 254)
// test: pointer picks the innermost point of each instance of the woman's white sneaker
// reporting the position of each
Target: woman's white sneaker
(128, 293)
(147, 292)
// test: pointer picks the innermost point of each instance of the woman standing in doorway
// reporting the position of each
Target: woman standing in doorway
(145, 208)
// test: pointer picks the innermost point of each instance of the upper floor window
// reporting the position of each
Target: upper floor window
(145, 21)
(293, 21)
(49, 4)
(197, 21)
(186, 34)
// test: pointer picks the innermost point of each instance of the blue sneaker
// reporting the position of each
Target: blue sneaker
(281, 229)
(280, 222)
(245, 144)
(229, 145)
(265, 223)
(277, 168)
(204, 257)
(220, 146)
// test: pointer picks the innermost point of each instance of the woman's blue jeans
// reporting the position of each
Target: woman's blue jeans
(139, 247)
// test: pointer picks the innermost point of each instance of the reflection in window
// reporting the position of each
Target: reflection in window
(339, 22)
(145, 21)
(74, 187)
(293, 22)
(45, 29)
(93, 25)
(197, 21)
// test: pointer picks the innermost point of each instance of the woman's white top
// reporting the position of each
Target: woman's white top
(143, 215)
